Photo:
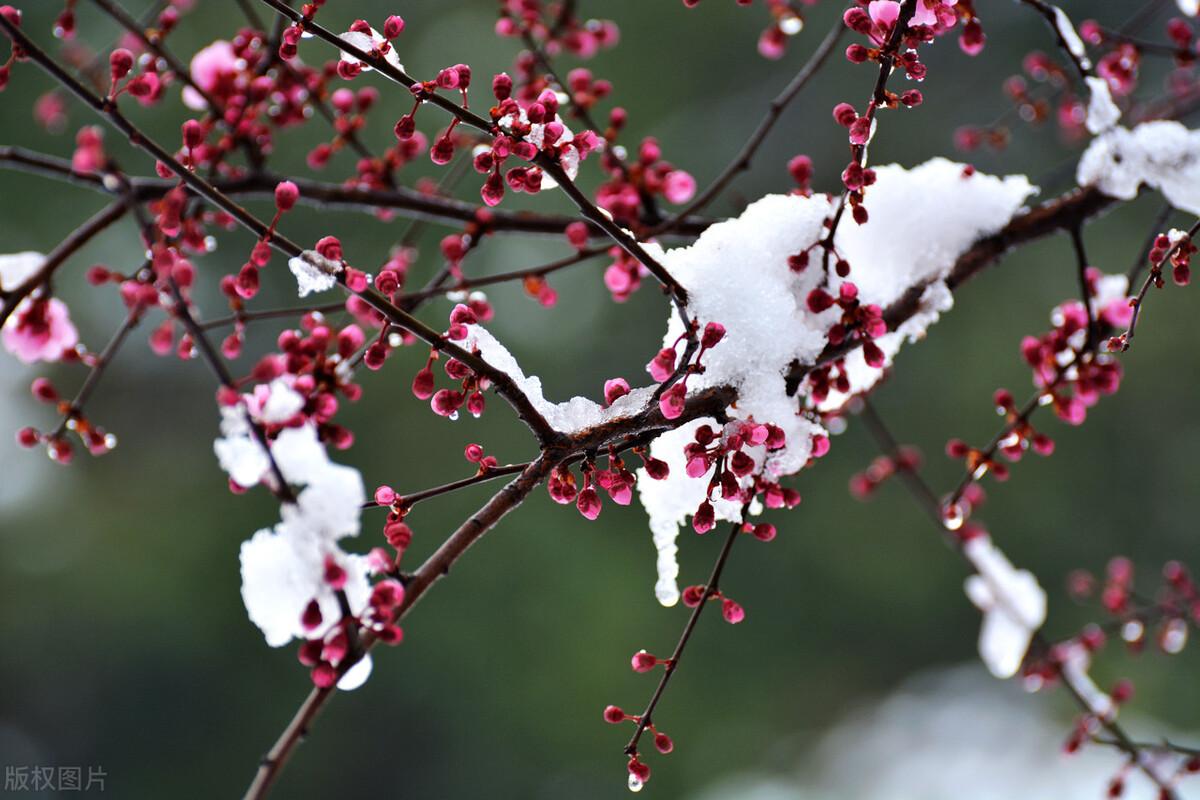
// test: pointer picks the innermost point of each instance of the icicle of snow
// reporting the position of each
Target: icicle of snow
(1012, 602)
(314, 272)
(1162, 155)
(1102, 112)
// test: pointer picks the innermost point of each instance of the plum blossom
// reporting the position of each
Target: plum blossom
(209, 67)
(884, 13)
(40, 328)
(926, 13)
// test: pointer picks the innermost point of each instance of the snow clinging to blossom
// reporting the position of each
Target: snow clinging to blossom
(283, 568)
(921, 221)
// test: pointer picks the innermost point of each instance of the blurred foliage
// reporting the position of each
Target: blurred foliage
(126, 643)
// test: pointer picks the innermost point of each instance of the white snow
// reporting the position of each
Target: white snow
(1012, 602)
(314, 272)
(282, 403)
(368, 43)
(572, 416)
(238, 452)
(736, 274)
(1189, 7)
(16, 268)
(283, 568)
(1070, 37)
(1102, 112)
(1162, 155)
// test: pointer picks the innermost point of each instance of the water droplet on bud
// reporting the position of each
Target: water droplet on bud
(635, 783)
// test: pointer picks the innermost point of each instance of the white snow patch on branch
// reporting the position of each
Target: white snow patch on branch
(1012, 602)
(283, 568)
(1102, 112)
(737, 274)
(369, 44)
(314, 272)
(1066, 29)
(1162, 155)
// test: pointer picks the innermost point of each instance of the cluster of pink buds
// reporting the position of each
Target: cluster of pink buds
(1020, 436)
(447, 402)
(618, 481)
(734, 470)
(474, 454)
(639, 771)
(1175, 605)
(94, 438)
(528, 132)
(1177, 249)
(866, 483)
(663, 366)
(1072, 377)
(395, 530)
(555, 30)
(860, 321)
(632, 185)
(310, 360)
(381, 45)
(731, 611)
(624, 276)
(147, 86)
(327, 656)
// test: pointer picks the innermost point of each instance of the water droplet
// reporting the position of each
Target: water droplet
(635, 783)
(395, 339)
(1132, 631)
(953, 517)
(791, 24)
(1174, 636)
(452, 416)
(110, 441)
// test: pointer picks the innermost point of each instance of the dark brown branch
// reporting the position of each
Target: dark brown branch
(921, 492)
(435, 567)
(503, 382)
(65, 249)
(710, 590)
(98, 367)
(548, 165)
(405, 201)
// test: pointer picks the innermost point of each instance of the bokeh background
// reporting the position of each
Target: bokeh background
(125, 643)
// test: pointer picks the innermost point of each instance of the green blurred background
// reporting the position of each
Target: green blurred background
(125, 643)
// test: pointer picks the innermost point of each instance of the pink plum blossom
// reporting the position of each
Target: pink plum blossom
(40, 330)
